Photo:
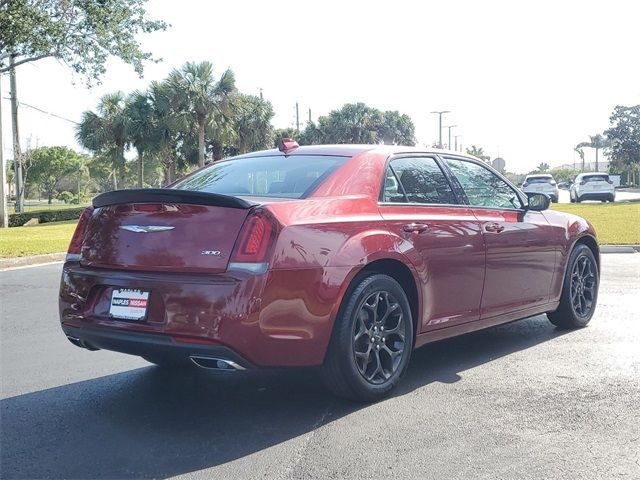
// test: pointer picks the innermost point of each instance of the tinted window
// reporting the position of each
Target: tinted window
(595, 178)
(482, 187)
(392, 190)
(538, 180)
(420, 179)
(274, 176)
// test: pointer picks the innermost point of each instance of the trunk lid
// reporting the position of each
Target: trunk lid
(163, 230)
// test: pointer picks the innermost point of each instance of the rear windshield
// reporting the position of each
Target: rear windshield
(539, 180)
(277, 176)
(595, 178)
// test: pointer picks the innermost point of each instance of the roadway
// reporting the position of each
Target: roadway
(518, 401)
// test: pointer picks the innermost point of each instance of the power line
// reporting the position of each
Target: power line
(23, 104)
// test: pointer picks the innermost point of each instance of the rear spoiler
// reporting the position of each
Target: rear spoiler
(169, 195)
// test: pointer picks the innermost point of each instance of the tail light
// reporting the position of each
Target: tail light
(251, 250)
(73, 253)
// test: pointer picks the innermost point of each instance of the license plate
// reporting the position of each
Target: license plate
(129, 304)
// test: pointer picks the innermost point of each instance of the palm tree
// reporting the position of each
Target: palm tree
(252, 119)
(104, 132)
(196, 91)
(597, 142)
(140, 127)
(579, 148)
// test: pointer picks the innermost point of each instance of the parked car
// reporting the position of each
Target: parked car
(541, 183)
(592, 186)
(344, 258)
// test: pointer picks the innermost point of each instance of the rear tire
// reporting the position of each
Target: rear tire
(579, 290)
(371, 342)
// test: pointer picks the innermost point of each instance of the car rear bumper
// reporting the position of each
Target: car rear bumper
(276, 319)
(596, 195)
(152, 346)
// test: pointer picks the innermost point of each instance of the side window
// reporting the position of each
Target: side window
(392, 191)
(421, 180)
(482, 187)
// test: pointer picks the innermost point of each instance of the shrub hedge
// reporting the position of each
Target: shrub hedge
(45, 216)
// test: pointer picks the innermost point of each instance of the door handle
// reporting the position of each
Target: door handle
(493, 227)
(415, 227)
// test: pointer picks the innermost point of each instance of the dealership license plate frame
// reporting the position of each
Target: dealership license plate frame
(129, 312)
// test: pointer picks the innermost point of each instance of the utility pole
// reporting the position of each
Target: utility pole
(4, 213)
(260, 88)
(456, 141)
(297, 118)
(17, 154)
(309, 115)
(440, 113)
(450, 127)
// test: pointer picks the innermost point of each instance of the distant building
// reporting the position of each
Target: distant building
(603, 166)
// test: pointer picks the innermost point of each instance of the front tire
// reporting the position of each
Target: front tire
(579, 290)
(371, 342)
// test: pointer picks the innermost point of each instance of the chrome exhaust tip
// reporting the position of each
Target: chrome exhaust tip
(211, 363)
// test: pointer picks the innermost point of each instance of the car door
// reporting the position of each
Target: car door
(419, 206)
(521, 245)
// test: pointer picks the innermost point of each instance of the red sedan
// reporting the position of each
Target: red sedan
(343, 257)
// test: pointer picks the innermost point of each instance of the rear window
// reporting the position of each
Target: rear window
(539, 180)
(595, 178)
(277, 176)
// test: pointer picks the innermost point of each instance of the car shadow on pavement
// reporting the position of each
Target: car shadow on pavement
(152, 423)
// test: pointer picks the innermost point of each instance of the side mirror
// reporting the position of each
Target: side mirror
(538, 201)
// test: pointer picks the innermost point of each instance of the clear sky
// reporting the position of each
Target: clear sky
(525, 80)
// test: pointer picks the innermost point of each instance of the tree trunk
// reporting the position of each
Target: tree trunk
(140, 169)
(201, 143)
(596, 159)
(115, 179)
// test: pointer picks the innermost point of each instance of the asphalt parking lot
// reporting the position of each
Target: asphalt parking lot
(518, 401)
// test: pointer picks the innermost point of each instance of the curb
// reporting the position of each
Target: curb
(619, 248)
(33, 260)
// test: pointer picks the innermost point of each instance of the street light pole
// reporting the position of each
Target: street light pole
(440, 113)
(450, 127)
(456, 141)
(4, 213)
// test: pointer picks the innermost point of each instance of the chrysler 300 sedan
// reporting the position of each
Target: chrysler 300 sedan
(343, 257)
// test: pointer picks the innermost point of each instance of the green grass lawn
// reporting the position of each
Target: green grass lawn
(45, 207)
(615, 223)
(46, 238)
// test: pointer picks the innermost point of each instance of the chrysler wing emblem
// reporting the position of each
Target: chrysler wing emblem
(146, 228)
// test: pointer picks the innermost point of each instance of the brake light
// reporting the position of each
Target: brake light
(73, 253)
(251, 250)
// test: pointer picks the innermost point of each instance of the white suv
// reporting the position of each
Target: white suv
(541, 183)
(592, 186)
